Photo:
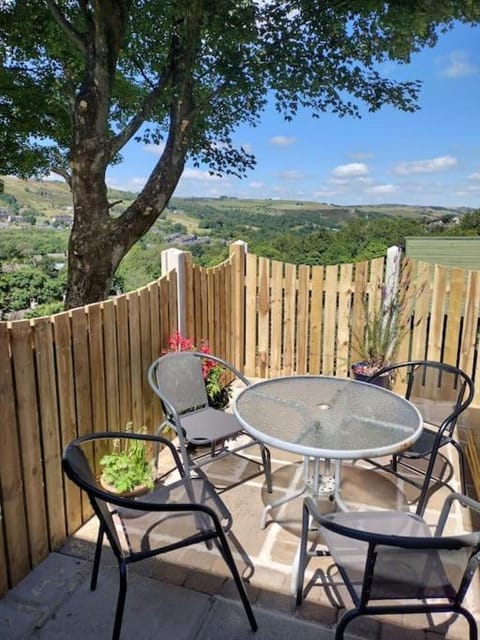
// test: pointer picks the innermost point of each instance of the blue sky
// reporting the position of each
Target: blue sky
(431, 157)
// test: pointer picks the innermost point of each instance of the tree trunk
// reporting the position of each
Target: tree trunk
(93, 250)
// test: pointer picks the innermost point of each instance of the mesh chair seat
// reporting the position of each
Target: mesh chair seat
(399, 572)
(392, 563)
(141, 531)
(208, 425)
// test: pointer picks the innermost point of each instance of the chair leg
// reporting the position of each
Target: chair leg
(302, 560)
(228, 557)
(122, 592)
(471, 623)
(267, 466)
(461, 464)
(344, 620)
(96, 559)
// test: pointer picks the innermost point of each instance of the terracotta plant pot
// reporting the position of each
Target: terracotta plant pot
(141, 490)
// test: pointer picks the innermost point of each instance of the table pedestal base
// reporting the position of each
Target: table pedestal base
(320, 481)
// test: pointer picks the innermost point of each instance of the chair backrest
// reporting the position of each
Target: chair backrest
(79, 471)
(177, 378)
(406, 563)
(440, 391)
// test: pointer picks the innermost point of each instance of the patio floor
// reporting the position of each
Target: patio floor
(184, 576)
(194, 584)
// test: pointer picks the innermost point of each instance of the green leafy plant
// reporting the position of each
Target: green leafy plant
(127, 466)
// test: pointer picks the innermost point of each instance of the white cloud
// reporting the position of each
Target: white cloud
(457, 65)
(282, 141)
(352, 170)
(256, 185)
(433, 165)
(380, 189)
(131, 184)
(156, 149)
(474, 176)
(293, 174)
(196, 174)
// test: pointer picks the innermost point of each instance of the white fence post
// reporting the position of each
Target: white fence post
(175, 259)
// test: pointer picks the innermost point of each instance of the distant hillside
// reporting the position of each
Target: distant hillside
(48, 199)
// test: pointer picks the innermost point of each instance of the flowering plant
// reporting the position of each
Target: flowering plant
(218, 394)
(387, 320)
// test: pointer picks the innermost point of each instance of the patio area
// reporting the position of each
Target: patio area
(188, 593)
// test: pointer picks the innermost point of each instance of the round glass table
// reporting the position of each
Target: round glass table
(326, 419)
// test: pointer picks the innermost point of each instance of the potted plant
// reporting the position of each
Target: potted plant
(126, 470)
(387, 312)
(218, 392)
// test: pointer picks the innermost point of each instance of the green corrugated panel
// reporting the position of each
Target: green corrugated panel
(462, 252)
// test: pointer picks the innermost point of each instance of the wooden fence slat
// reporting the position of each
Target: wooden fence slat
(155, 311)
(97, 367)
(29, 432)
(44, 349)
(251, 316)
(330, 320)
(123, 362)
(422, 285)
(112, 422)
(316, 315)
(358, 313)
(289, 306)
(471, 328)
(14, 521)
(189, 296)
(82, 393)
(263, 318)
(135, 364)
(455, 313)
(302, 317)
(148, 397)
(435, 338)
(276, 315)
(344, 311)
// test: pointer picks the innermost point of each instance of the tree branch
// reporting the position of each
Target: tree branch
(63, 173)
(72, 33)
(143, 112)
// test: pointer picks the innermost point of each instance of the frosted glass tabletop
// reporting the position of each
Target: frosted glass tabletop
(327, 417)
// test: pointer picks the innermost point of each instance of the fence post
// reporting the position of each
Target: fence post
(239, 251)
(175, 259)
(392, 280)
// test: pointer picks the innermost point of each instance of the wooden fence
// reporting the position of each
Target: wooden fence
(85, 370)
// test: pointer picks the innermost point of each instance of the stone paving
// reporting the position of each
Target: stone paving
(272, 550)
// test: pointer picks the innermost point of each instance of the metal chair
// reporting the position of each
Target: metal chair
(441, 392)
(177, 379)
(392, 555)
(181, 513)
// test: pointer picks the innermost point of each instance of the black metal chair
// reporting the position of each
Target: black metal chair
(173, 515)
(441, 392)
(177, 379)
(390, 556)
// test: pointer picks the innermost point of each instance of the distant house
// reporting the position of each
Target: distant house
(63, 220)
(453, 251)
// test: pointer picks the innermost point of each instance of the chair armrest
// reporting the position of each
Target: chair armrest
(465, 501)
(374, 538)
(225, 364)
